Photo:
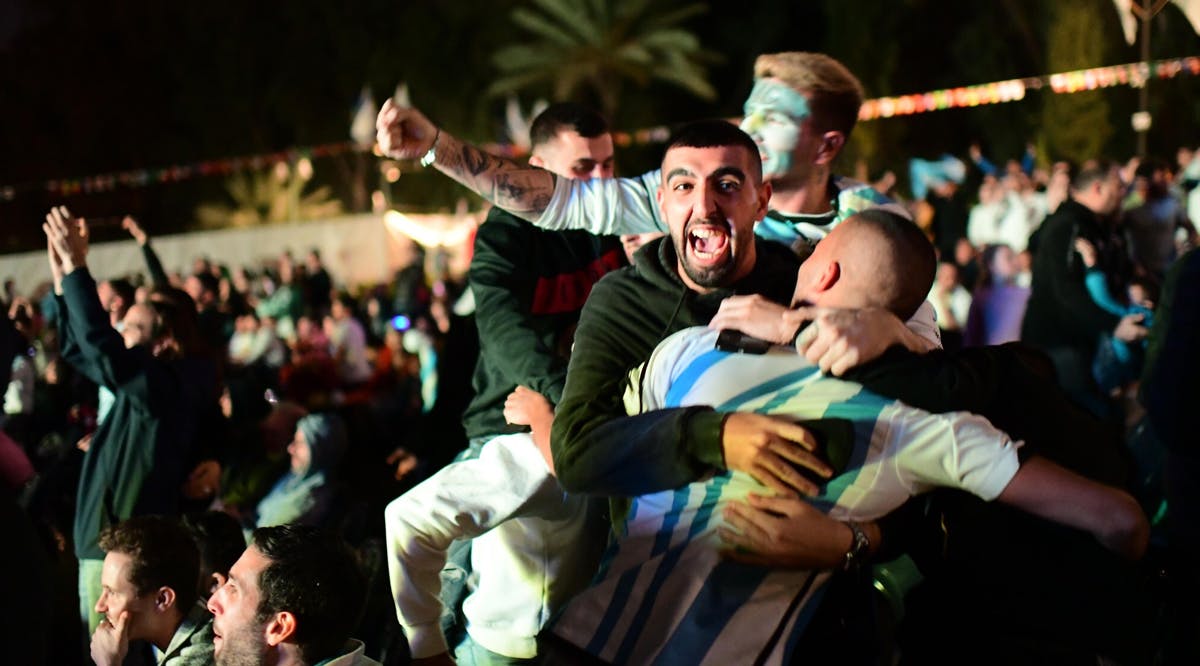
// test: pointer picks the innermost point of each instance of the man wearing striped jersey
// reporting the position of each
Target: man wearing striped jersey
(665, 595)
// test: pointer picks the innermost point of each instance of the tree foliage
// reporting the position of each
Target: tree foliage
(1076, 126)
(592, 47)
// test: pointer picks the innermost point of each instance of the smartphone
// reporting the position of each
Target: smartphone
(735, 341)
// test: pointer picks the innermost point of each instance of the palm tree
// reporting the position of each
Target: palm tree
(593, 46)
(268, 197)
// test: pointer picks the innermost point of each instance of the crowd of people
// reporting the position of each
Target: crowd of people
(693, 416)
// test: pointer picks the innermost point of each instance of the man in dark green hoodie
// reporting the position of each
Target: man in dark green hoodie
(712, 195)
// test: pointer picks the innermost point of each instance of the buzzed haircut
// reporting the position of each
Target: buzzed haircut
(161, 554)
(834, 94)
(1091, 172)
(913, 259)
(716, 133)
(566, 116)
(315, 576)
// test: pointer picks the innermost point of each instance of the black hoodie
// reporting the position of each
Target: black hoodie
(597, 448)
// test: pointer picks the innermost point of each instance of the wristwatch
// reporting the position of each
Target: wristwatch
(431, 155)
(860, 544)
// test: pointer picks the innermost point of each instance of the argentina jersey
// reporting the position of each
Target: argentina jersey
(665, 595)
(851, 197)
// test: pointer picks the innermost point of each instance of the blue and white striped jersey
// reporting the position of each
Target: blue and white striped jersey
(664, 594)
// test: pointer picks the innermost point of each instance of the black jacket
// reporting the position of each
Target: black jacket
(1061, 313)
(597, 448)
(139, 455)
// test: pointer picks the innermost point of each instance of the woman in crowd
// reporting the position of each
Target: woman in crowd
(998, 305)
(306, 493)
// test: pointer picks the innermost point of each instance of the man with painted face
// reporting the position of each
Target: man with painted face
(800, 115)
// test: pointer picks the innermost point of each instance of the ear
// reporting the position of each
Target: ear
(828, 277)
(831, 146)
(164, 599)
(280, 628)
(218, 580)
(537, 161)
(764, 200)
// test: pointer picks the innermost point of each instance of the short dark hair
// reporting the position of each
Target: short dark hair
(161, 554)
(123, 288)
(219, 542)
(1090, 172)
(175, 317)
(566, 116)
(912, 255)
(315, 576)
(208, 282)
(715, 133)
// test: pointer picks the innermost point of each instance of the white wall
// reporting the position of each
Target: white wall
(355, 249)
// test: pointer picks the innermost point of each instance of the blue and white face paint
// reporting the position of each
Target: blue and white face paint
(773, 114)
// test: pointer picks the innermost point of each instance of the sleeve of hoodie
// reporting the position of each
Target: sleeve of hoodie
(96, 350)
(503, 284)
(158, 275)
(599, 450)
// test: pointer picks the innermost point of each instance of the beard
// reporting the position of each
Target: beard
(244, 647)
(715, 275)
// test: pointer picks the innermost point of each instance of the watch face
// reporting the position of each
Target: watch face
(858, 546)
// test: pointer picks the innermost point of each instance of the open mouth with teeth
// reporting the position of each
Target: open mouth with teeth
(708, 243)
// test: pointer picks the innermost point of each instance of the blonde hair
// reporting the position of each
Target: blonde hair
(833, 93)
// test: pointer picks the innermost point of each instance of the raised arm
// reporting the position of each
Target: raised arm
(601, 206)
(89, 341)
(523, 190)
(158, 275)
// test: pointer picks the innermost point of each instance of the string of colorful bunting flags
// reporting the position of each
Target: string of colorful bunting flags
(1133, 74)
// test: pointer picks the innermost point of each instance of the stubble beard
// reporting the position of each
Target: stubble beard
(242, 648)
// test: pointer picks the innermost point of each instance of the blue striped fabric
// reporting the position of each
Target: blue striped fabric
(664, 594)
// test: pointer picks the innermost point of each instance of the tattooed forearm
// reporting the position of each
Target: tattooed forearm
(520, 189)
(475, 161)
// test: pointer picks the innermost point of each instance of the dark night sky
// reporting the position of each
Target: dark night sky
(92, 87)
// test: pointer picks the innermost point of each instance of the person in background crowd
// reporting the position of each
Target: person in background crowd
(952, 302)
(1062, 319)
(998, 304)
(139, 456)
(149, 593)
(219, 542)
(306, 493)
(267, 612)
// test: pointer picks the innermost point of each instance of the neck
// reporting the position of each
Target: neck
(284, 655)
(161, 636)
(1088, 204)
(798, 195)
